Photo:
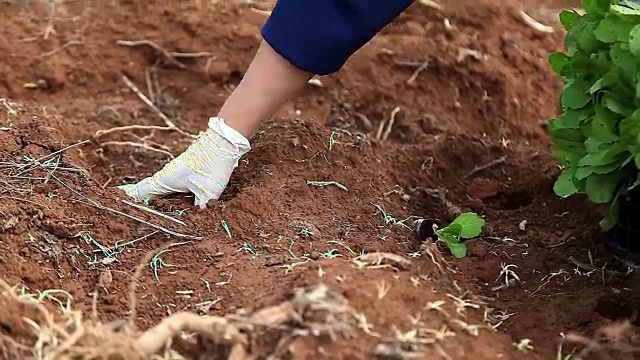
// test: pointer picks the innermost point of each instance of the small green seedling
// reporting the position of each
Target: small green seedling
(524, 345)
(246, 247)
(226, 228)
(331, 254)
(388, 219)
(293, 255)
(109, 256)
(332, 140)
(64, 306)
(207, 284)
(466, 226)
(157, 262)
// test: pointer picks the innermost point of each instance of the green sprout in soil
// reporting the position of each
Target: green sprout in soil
(388, 219)
(246, 247)
(157, 262)
(597, 137)
(64, 306)
(304, 229)
(561, 356)
(226, 228)
(524, 345)
(332, 140)
(206, 284)
(293, 255)
(108, 255)
(331, 254)
(181, 212)
(466, 226)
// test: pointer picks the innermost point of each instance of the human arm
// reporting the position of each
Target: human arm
(301, 38)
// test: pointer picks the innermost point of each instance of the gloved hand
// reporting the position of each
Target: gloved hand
(203, 169)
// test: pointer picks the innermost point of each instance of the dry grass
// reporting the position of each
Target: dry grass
(69, 335)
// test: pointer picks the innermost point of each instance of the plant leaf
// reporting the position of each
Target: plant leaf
(637, 160)
(596, 6)
(604, 125)
(574, 95)
(634, 41)
(458, 250)
(558, 60)
(611, 216)
(612, 29)
(630, 11)
(587, 41)
(617, 105)
(572, 118)
(601, 188)
(568, 18)
(610, 79)
(564, 186)
(471, 224)
(629, 129)
(451, 230)
(623, 57)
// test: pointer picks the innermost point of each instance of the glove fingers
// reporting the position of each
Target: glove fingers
(205, 189)
(131, 190)
(146, 188)
(203, 169)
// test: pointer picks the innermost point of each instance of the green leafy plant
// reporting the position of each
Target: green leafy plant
(466, 226)
(597, 136)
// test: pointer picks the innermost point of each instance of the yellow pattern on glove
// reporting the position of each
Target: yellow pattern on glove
(203, 169)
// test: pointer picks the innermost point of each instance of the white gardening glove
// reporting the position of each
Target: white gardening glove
(203, 169)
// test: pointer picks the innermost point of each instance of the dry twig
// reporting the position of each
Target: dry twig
(383, 132)
(534, 24)
(152, 106)
(151, 211)
(327, 183)
(101, 133)
(431, 4)
(135, 218)
(138, 145)
(486, 166)
(169, 55)
(419, 68)
(587, 267)
(313, 310)
(383, 259)
(65, 45)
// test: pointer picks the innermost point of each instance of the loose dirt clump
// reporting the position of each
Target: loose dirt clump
(310, 253)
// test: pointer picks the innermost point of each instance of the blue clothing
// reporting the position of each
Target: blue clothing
(319, 36)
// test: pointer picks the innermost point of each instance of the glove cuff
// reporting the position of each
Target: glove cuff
(230, 134)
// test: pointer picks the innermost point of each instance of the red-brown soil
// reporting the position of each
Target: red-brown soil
(455, 116)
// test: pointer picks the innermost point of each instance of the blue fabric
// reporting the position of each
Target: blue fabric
(319, 36)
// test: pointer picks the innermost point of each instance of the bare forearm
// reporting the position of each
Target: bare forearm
(268, 84)
(302, 38)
